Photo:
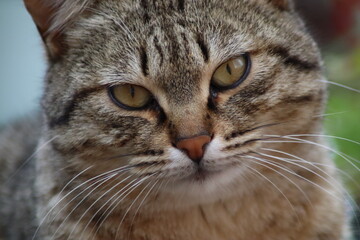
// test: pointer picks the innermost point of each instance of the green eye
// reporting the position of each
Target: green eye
(130, 97)
(231, 73)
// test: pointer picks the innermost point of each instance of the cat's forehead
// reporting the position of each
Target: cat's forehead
(167, 37)
(158, 45)
(174, 45)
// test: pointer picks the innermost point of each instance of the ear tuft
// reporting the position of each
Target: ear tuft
(283, 5)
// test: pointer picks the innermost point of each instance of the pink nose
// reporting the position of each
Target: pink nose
(194, 146)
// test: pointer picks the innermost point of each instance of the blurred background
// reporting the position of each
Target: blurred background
(336, 26)
(22, 64)
(334, 23)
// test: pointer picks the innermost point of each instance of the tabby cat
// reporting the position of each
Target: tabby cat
(173, 119)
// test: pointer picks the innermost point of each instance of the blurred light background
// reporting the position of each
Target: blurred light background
(22, 64)
(334, 23)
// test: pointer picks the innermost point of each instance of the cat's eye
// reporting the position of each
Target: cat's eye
(130, 97)
(231, 73)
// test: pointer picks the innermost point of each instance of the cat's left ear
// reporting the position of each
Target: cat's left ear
(284, 5)
(52, 18)
(43, 13)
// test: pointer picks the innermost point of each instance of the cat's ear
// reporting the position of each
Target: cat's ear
(52, 18)
(43, 13)
(284, 5)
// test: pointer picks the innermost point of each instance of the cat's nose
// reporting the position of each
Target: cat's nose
(194, 146)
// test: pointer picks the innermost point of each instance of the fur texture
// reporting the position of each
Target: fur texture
(104, 172)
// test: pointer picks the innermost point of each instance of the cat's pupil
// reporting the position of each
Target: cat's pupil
(228, 69)
(132, 91)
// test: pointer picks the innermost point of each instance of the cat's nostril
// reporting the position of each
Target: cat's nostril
(194, 146)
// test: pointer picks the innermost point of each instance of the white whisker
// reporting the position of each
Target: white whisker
(283, 175)
(52, 208)
(343, 155)
(301, 160)
(38, 149)
(80, 202)
(295, 174)
(275, 186)
(132, 204)
(323, 135)
(116, 201)
(340, 85)
(97, 200)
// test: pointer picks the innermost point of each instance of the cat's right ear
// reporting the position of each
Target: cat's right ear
(43, 13)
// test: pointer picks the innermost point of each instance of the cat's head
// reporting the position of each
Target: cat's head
(182, 91)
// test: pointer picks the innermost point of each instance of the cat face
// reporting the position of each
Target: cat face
(178, 124)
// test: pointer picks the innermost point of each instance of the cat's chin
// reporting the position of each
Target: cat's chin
(204, 186)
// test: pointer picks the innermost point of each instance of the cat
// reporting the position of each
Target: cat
(176, 120)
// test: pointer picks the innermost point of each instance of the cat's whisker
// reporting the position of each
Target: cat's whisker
(129, 188)
(52, 208)
(38, 149)
(142, 202)
(339, 186)
(324, 135)
(330, 114)
(144, 164)
(283, 175)
(97, 200)
(281, 141)
(302, 142)
(106, 177)
(297, 175)
(133, 202)
(121, 156)
(339, 85)
(342, 189)
(315, 164)
(341, 154)
(102, 181)
(274, 185)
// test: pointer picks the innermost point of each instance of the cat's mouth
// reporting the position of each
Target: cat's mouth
(201, 174)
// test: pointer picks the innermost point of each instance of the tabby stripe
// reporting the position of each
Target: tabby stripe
(70, 106)
(144, 5)
(186, 43)
(203, 47)
(144, 61)
(158, 48)
(304, 98)
(175, 45)
(238, 145)
(293, 61)
(240, 133)
(181, 5)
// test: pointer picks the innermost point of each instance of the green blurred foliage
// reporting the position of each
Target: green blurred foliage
(344, 112)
